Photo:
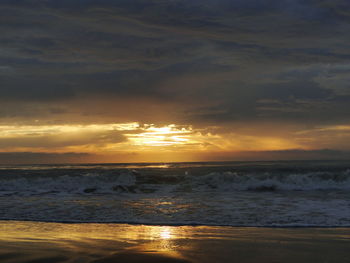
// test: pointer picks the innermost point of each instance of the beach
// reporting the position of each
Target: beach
(186, 212)
(26, 241)
(213, 131)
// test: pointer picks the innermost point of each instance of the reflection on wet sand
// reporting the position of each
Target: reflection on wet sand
(37, 242)
(90, 242)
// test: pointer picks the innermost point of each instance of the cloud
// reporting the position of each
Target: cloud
(226, 63)
(57, 137)
(41, 158)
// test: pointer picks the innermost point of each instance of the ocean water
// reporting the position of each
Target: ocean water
(283, 194)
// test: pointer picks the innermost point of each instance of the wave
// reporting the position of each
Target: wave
(249, 196)
(133, 182)
(88, 183)
(273, 182)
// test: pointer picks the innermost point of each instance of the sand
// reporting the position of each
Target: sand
(37, 242)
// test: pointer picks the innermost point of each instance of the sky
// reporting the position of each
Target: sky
(174, 80)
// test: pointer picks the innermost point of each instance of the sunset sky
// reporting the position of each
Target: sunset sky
(174, 80)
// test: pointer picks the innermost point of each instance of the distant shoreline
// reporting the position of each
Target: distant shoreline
(175, 163)
(72, 222)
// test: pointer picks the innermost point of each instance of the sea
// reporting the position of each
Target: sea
(252, 194)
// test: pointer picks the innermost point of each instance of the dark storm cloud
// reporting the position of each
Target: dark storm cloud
(218, 60)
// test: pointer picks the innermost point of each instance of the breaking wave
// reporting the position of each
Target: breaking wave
(132, 181)
(272, 182)
(244, 194)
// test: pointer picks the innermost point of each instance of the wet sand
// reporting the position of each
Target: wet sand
(37, 242)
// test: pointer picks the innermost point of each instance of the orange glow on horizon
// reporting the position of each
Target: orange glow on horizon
(135, 142)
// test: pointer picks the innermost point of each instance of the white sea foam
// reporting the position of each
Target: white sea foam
(216, 196)
(270, 182)
(65, 183)
(216, 181)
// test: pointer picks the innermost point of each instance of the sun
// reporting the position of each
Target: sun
(169, 135)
